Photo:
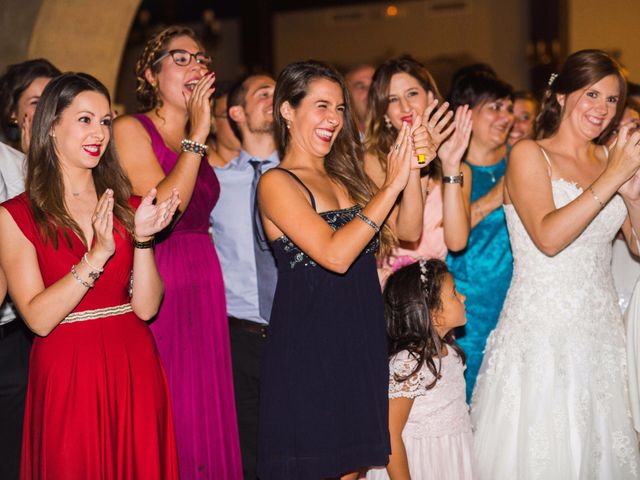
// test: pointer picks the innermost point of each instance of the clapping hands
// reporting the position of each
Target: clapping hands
(150, 219)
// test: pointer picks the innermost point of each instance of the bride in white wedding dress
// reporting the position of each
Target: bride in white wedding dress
(551, 400)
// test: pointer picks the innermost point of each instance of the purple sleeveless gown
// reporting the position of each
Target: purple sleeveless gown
(192, 333)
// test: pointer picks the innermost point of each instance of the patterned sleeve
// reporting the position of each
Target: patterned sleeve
(401, 365)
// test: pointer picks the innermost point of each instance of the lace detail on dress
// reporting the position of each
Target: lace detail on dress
(401, 365)
(440, 411)
(554, 376)
(336, 219)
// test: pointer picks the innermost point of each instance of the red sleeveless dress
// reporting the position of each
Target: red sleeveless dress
(97, 402)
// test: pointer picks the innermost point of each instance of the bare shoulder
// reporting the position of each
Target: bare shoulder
(128, 125)
(278, 185)
(527, 155)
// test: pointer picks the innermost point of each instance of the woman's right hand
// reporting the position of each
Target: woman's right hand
(399, 160)
(452, 150)
(624, 160)
(199, 108)
(102, 221)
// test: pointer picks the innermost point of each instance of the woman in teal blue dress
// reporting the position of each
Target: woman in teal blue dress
(483, 270)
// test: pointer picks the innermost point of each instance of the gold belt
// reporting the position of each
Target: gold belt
(97, 313)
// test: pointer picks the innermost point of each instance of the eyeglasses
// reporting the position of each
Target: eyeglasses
(183, 58)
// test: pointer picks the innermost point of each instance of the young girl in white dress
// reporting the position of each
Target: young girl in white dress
(428, 416)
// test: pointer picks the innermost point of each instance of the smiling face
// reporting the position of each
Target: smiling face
(589, 110)
(82, 132)
(28, 100)
(315, 124)
(407, 98)
(175, 83)
(524, 112)
(258, 104)
(491, 121)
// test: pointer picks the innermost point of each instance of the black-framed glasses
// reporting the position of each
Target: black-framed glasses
(183, 58)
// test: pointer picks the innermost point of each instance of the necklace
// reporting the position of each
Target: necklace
(493, 177)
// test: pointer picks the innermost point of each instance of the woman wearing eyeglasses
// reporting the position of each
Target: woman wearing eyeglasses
(163, 147)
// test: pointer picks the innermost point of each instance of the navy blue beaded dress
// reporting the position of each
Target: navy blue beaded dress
(324, 383)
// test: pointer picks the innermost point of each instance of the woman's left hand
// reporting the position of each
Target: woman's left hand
(150, 219)
(435, 128)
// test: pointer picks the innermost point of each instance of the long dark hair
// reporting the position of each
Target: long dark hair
(580, 69)
(16, 79)
(381, 136)
(411, 299)
(44, 179)
(344, 163)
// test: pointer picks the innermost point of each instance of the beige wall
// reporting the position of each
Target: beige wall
(492, 31)
(79, 35)
(612, 25)
(16, 23)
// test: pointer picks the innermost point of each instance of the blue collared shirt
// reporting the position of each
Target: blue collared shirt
(232, 231)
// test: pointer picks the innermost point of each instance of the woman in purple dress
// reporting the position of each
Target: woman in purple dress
(162, 147)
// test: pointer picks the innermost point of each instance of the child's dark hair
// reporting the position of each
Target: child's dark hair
(411, 298)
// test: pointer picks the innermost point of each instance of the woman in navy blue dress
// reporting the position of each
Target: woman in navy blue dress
(324, 407)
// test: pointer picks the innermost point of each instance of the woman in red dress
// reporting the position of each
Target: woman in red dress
(97, 401)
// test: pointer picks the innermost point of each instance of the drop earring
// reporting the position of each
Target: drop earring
(387, 123)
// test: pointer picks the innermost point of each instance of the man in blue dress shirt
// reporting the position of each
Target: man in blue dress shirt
(248, 266)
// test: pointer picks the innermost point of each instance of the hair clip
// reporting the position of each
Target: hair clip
(552, 78)
(423, 272)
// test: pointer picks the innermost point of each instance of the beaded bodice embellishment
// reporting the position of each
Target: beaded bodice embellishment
(336, 219)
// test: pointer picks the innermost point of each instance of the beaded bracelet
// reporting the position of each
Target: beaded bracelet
(79, 279)
(194, 147)
(368, 221)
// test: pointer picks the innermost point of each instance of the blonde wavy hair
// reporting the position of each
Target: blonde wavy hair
(147, 94)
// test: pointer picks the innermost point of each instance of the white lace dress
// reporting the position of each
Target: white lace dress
(437, 435)
(551, 401)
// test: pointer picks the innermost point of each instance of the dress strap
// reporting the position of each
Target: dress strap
(156, 139)
(295, 177)
(547, 159)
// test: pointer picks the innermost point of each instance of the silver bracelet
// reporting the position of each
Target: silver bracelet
(78, 279)
(368, 221)
(453, 179)
(595, 197)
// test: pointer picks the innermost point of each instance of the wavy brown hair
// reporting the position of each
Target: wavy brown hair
(580, 69)
(380, 137)
(412, 298)
(344, 163)
(147, 94)
(44, 177)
